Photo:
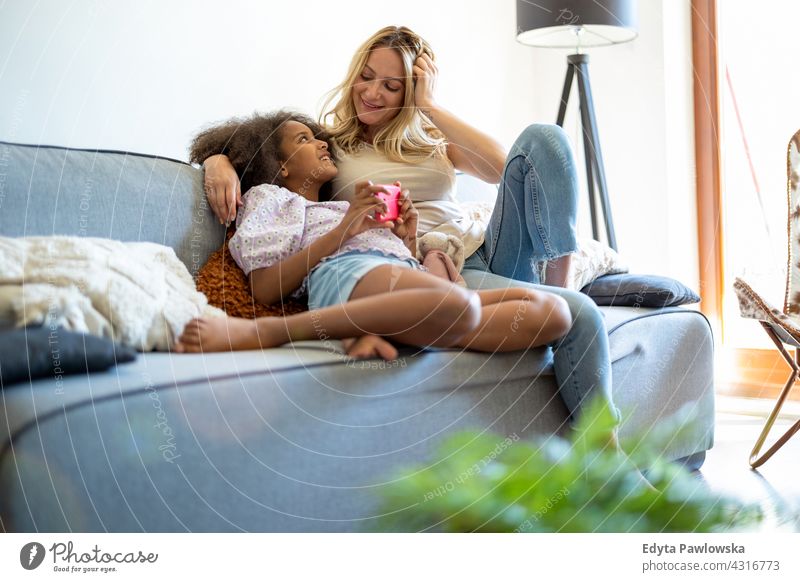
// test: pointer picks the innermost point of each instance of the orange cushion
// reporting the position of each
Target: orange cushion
(226, 286)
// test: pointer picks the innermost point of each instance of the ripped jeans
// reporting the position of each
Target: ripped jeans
(534, 222)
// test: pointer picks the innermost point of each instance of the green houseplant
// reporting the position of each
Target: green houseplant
(482, 482)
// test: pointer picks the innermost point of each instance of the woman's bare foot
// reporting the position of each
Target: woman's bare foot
(221, 334)
(613, 444)
(369, 346)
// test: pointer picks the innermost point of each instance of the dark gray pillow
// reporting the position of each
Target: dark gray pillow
(629, 290)
(40, 352)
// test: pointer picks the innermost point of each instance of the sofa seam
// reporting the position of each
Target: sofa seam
(95, 151)
(664, 311)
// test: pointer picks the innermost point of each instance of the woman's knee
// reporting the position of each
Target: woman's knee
(546, 151)
(544, 139)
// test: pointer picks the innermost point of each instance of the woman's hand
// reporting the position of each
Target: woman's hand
(407, 220)
(360, 215)
(425, 75)
(471, 151)
(222, 187)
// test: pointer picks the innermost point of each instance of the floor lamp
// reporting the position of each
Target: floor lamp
(578, 24)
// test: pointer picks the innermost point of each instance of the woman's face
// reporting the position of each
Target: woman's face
(305, 156)
(379, 89)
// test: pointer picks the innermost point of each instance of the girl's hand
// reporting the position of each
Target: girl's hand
(407, 217)
(425, 75)
(222, 187)
(360, 215)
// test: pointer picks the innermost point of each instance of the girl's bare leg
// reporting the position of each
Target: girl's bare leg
(416, 308)
(511, 319)
(518, 319)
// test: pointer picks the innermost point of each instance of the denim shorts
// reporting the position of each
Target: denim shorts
(333, 280)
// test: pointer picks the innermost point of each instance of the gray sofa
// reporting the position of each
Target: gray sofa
(287, 439)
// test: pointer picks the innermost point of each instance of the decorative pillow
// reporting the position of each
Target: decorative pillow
(39, 352)
(639, 291)
(226, 286)
(593, 259)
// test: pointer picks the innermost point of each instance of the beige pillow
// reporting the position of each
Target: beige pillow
(593, 259)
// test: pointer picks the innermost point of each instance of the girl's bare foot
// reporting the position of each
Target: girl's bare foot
(220, 334)
(369, 346)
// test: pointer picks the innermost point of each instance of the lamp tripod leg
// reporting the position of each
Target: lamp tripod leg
(562, 109)
(594, 155)
(595, 171)
(588, 148)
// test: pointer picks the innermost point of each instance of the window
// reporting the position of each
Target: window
(759, 98)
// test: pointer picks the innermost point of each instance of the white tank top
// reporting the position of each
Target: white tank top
(431, 183)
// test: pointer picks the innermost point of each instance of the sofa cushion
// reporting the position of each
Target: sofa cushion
(226, 287)
(628, 290)
(313, 362)
(299, 438)
(119, 195)
(593, 259)
(44, 352)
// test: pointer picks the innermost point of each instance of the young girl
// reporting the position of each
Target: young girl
(360, 274)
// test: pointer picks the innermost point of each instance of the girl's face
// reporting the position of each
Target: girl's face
(379, 89)
(306, 158)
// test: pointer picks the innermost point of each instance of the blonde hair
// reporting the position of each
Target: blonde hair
(409, 134)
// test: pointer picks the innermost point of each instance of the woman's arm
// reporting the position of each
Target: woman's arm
(471, 151)
(221, 184)
(222, 187)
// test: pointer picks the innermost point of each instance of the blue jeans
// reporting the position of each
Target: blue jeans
(533, 222)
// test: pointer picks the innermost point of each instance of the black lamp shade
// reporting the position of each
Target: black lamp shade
(554, 23)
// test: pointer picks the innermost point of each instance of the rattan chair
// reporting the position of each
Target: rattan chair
(782, 327)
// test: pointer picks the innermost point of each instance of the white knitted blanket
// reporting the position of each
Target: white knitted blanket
(137, 293)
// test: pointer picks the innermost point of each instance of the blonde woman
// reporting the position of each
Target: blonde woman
(387, 126)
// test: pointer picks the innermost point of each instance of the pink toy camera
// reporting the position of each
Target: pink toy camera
(390, 197)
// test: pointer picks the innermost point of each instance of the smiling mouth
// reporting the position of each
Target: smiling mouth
(326, 159)
(370, 106)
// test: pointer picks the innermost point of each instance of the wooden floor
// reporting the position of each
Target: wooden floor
(776, 484)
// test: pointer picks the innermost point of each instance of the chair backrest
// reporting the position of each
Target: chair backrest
(791, 304)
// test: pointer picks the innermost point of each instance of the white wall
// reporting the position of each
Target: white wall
(145, 76)
(643, 102)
